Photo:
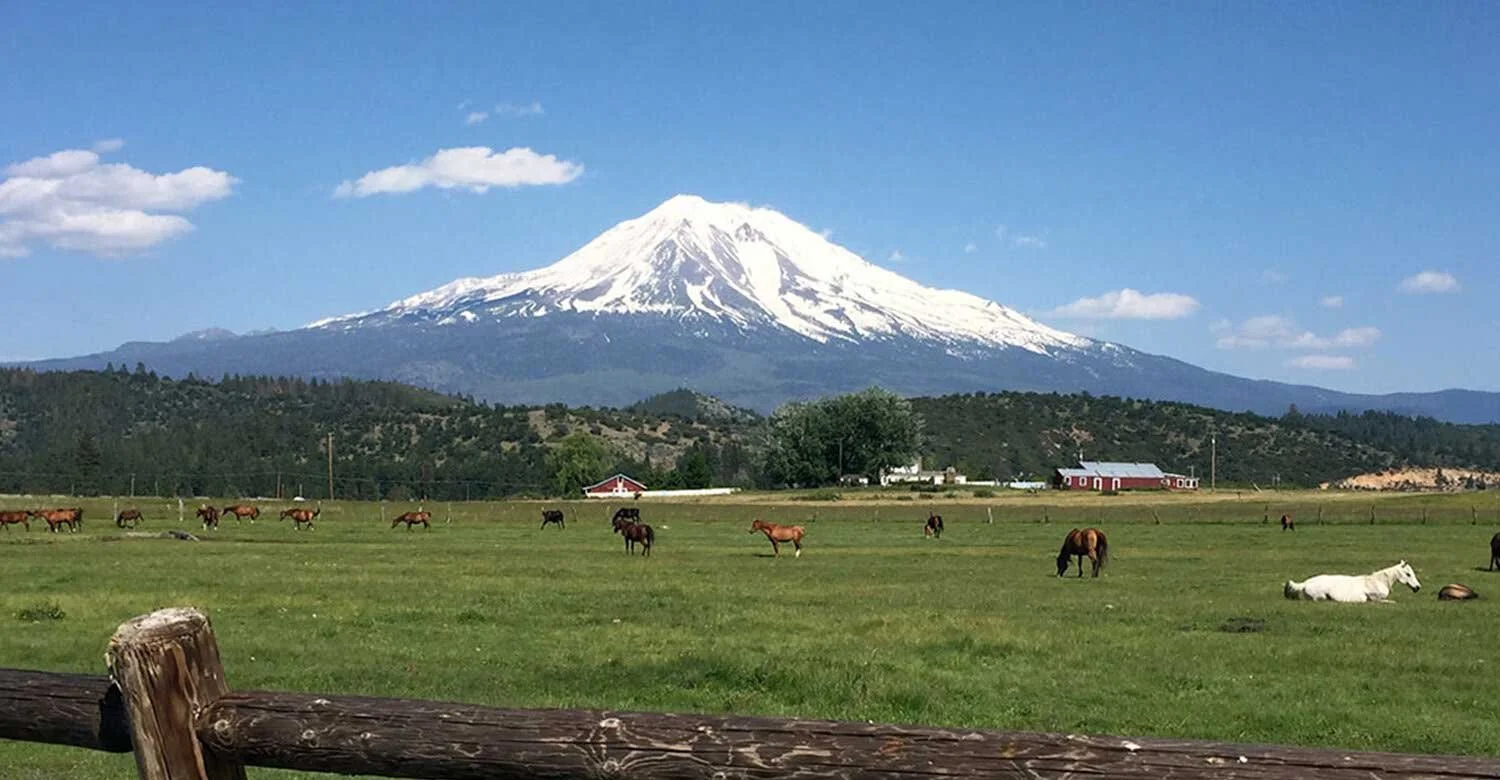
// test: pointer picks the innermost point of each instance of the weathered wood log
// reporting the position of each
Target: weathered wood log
(401, 738)
(168, 669)
(63, 709)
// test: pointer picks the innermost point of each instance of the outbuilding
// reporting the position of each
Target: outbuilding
(618, 486)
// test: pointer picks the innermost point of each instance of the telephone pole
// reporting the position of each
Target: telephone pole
(330, 467)
(1213, 464)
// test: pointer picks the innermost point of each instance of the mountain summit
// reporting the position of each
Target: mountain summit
(733, 264)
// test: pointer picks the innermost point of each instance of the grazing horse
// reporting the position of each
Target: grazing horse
(242, 511)
(1375, 586)
(23, 516)
(418, 517)
(300, 516)
(209, 515)
(553, 516)
(129, 518)
(629, 513)
(1287, 524)
(56, 518)
(934, 527)
(780, 534)
(1456, 592)
(1495, 552)
(1083, 542)
(636, 532)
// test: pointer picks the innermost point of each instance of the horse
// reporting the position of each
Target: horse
(418, 517)
(626, 513)
(56, 518)
(553, 516)
(1456, 592)
(636, 532)
(129, 518)
(23, 517)
(780, 534)
(242, 511)
(1354, 589)
(1495, 552)
(300, 516)
(934, 527)
(209, 515)
(1287, 524)
(1088, 542)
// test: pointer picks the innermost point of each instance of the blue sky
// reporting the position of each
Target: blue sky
(1305, 192)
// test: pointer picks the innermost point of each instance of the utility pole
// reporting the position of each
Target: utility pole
(1213, 464)
(330, 466)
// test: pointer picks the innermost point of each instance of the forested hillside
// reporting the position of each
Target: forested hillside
(93, 432)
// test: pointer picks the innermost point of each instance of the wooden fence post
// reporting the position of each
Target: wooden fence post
(167, 667)
(1320, 514)
(1372, 514)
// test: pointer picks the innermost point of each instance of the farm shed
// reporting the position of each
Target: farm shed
(1097, 475)
(618, 486)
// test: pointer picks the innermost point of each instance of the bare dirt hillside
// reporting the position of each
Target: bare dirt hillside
(1418, 478)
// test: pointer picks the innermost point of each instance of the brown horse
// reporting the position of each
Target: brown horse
(300, 516)
(934, 527)
(1456, 592)
(242, 511)
(57, 518)
(209, 515)
(550, 516)
(780, 534)
(19, 516)
(626, 513)
(129, 518)
(1086, 542)
(1495, 552)
(1287, 524)
(634, 533)
(414, 518)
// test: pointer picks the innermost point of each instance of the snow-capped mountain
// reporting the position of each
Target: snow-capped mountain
(735, 264)
(736, 302)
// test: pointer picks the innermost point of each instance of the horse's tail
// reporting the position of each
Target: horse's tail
(650, 536)
(1103, 549)
(1291, 590)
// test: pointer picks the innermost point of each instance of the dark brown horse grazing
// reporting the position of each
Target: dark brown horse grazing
(242, 511)
(636, 533)
(780, 534)
(626, 513)
(1086, 542)
(12, 517)
(934, 527)
(300, 516)
(57, 518)
(553, 516)
(209, 515)
(129, 518)
(1287, 524)
(418, 517)
(1495, 552)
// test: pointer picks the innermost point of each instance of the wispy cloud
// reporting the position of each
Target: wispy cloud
(826, 233)
(1430, 282)
(970, 248)
(70, 200)
(1128, 304)
(1323, 362)
(473, 168)
(519, 110)
(108, 145)
(1029, 242)
(1000, 232)
(1272, 276)
(897, 258)
(476, 117)
(1273, 330)
(1332, 302)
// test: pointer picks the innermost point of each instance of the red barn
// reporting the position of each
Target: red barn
(618, 486)
(1095, 475)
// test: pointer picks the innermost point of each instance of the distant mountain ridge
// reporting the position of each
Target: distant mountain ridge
(740, 303)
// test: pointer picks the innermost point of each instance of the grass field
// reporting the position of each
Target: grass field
(872, 623)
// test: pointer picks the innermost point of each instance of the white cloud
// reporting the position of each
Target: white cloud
(514, 110)
(1128, 304)
(1030, 242)
(1430, 282)
(475, 117)
(1282, 332)
(70, 200)
(1272, 276)
(1332, 302)
(108, 145)
(897, 258)
(970, 248)
(1323, 362)
(826, 233)
(474, 168)
(1000, 231)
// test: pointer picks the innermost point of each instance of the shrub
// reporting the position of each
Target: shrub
(984, 493)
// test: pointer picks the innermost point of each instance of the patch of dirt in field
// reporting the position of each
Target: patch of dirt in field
(1418, 478)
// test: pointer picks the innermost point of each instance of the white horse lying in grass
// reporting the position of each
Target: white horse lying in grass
(1356, 589)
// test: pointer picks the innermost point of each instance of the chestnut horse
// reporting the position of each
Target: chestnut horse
(12, 517)
(1287, 524)
(242, 511)
(56, 518)
(934, 527)
(553, 516)
(300, 516)
(129, 518)
(209, 515)
(1494, 552)
(418, 517)
(635, 532)
(779, 534)
(1086, 542)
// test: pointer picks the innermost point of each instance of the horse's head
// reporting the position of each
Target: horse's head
(1407, 577)
(757, 525)
(1063, 560)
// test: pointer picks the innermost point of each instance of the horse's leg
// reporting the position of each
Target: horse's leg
(776, 548)
(798, 544)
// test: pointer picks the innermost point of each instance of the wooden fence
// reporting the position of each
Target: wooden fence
(166, 699)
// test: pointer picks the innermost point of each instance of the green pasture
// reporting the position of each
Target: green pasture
(1185, 635)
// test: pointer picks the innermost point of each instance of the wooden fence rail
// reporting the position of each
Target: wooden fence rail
(169, 709)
